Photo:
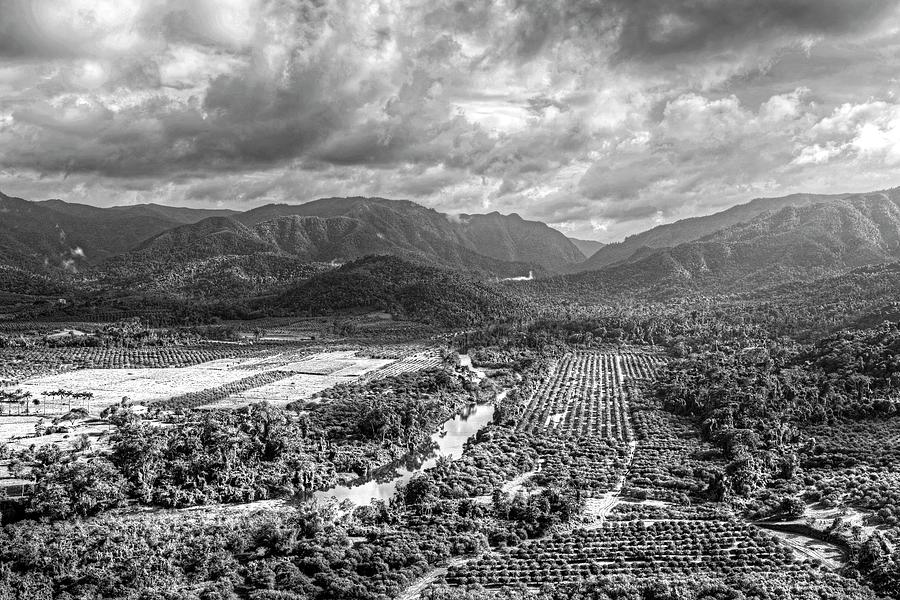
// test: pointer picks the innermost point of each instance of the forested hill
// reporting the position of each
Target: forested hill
(689, 230)
(312, 240)
(404, 289)
(348, 228)
(859, 298)
(512, 238)
(65, 236)
(56, 236)
(794, 244)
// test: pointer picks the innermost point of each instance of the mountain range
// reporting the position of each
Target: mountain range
(56, 234)
(60, 235)
(797, 241)
(695, 228)
(205, 254)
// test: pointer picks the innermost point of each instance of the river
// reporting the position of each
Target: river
(449, 442)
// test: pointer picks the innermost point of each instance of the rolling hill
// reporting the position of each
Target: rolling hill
(310, 239)
(405, 289)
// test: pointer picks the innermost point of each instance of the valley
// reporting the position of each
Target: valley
(449, 300)
(259, 424)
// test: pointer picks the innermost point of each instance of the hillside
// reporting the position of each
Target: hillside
(225, 277)
(60, 235)
(380, 226)
(793, 244)
(689, 230)
(512, 238)
(215, 236)
(313, 239)
(859, 298)
(404, 289)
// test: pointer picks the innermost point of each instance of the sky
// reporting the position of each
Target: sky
(602, 118)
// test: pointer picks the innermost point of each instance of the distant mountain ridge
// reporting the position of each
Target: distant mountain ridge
(587, 247)
(402, 227)
(58, 235)
(694, 228)
(795, 243)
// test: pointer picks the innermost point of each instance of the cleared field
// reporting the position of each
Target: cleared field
(277, 377)
(110, 386)
(19, 432)
(416, 362)
(299, 386)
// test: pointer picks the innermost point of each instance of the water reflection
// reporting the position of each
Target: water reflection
(449, 442)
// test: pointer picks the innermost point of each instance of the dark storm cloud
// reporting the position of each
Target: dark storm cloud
(652, 28)
(603, 114)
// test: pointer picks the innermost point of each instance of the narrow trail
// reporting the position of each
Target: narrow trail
(807, 547)
(418, 586)
(599, 508)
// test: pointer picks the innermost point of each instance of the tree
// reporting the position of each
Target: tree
(66, 487)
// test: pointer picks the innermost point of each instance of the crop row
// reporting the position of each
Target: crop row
(670, 462)
(405, 365)
(676, 547)
(633, 511)
(594, 465)
(210, 396)
(585, 396)
(641, 366)
(118, 358)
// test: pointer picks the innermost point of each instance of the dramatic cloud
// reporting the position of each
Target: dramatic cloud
(602, 117)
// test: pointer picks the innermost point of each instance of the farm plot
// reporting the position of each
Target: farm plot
(342, 363)
(20, 432)
(670, 462)
(640, 366)
(416, 362)
(20, 364)
(229, 382)
(656, 510)
(579, 418)
(110, 386)
(209, 398)
(303, 378)
(671, 548)
(587, 395)
(594, 465)
(297, 386)
(120, 358)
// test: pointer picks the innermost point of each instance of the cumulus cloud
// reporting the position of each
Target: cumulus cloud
(597, 115)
